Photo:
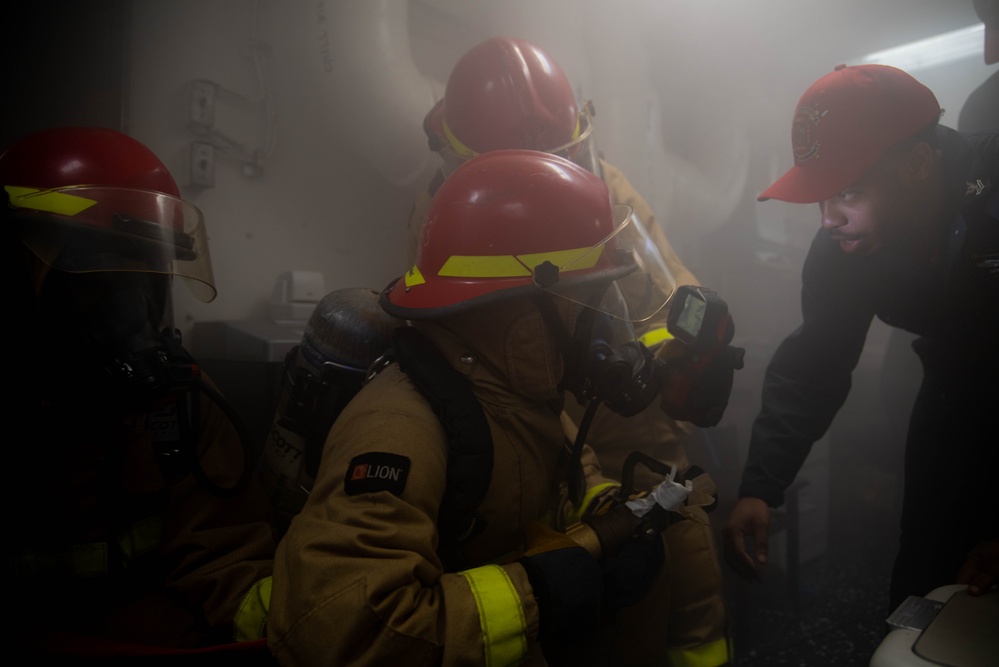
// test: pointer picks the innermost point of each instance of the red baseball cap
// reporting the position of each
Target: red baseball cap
(844, 122)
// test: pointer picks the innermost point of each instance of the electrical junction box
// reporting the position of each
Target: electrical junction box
(203, 103)
(202, 167)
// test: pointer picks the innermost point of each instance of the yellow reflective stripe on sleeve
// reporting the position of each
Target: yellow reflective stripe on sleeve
(140, 538)
(518, 266)
(654, 337)
(712, 654)
(577, 512)
(501, 615)
(47, 200)
(250, 621)
(81, 560)
(90, 559)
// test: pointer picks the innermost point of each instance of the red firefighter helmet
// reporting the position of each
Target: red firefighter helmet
(88, 199)
(511, 221)
(507, 93)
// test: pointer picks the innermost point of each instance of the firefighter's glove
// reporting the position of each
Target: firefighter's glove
(629, 575)
(567, 584)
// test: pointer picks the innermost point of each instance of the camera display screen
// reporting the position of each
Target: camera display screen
(692, 316)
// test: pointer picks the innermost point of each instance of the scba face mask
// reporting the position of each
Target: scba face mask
(606, 362)
(122, 323)
(605, 359)
(605, 365)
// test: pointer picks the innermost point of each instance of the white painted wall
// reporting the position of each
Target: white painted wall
(314, 205)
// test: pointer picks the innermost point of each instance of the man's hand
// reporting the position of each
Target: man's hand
(749, 518)
(981, 570)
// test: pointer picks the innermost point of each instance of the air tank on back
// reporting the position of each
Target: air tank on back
(344, 336)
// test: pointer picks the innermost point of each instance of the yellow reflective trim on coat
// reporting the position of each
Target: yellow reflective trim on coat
(80, 560)
(50, 201)
(141, 538)
(250, 621)
(654, 337)
(501, 615)
(90, 559)
(577, 512)
(712, 654)
(414, 277)
(518, 266)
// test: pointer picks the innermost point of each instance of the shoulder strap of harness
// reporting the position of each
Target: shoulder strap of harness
(470, 444)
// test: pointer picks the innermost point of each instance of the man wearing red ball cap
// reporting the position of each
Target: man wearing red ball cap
(909, 233)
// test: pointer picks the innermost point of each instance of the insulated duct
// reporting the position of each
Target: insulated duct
(379, 99)
(376, 95)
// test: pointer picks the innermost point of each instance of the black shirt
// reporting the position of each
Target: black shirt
(954, 307)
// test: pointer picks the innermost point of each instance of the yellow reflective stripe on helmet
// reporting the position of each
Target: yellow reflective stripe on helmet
(518, 266)
(456, 145)
(414, 277)
(653, 337)
(712, 654)
(250, 621)
(50, 201)
(577, 512)
(484, 266)
(466, 152)
(501, 615)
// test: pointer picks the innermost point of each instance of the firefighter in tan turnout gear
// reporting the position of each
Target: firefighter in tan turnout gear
(508, 93)
(428, 536)
(133, 525)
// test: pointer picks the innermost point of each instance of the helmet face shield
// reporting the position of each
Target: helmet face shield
(642, 286)
(581, 149)
(88, 228)
(611, 328)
